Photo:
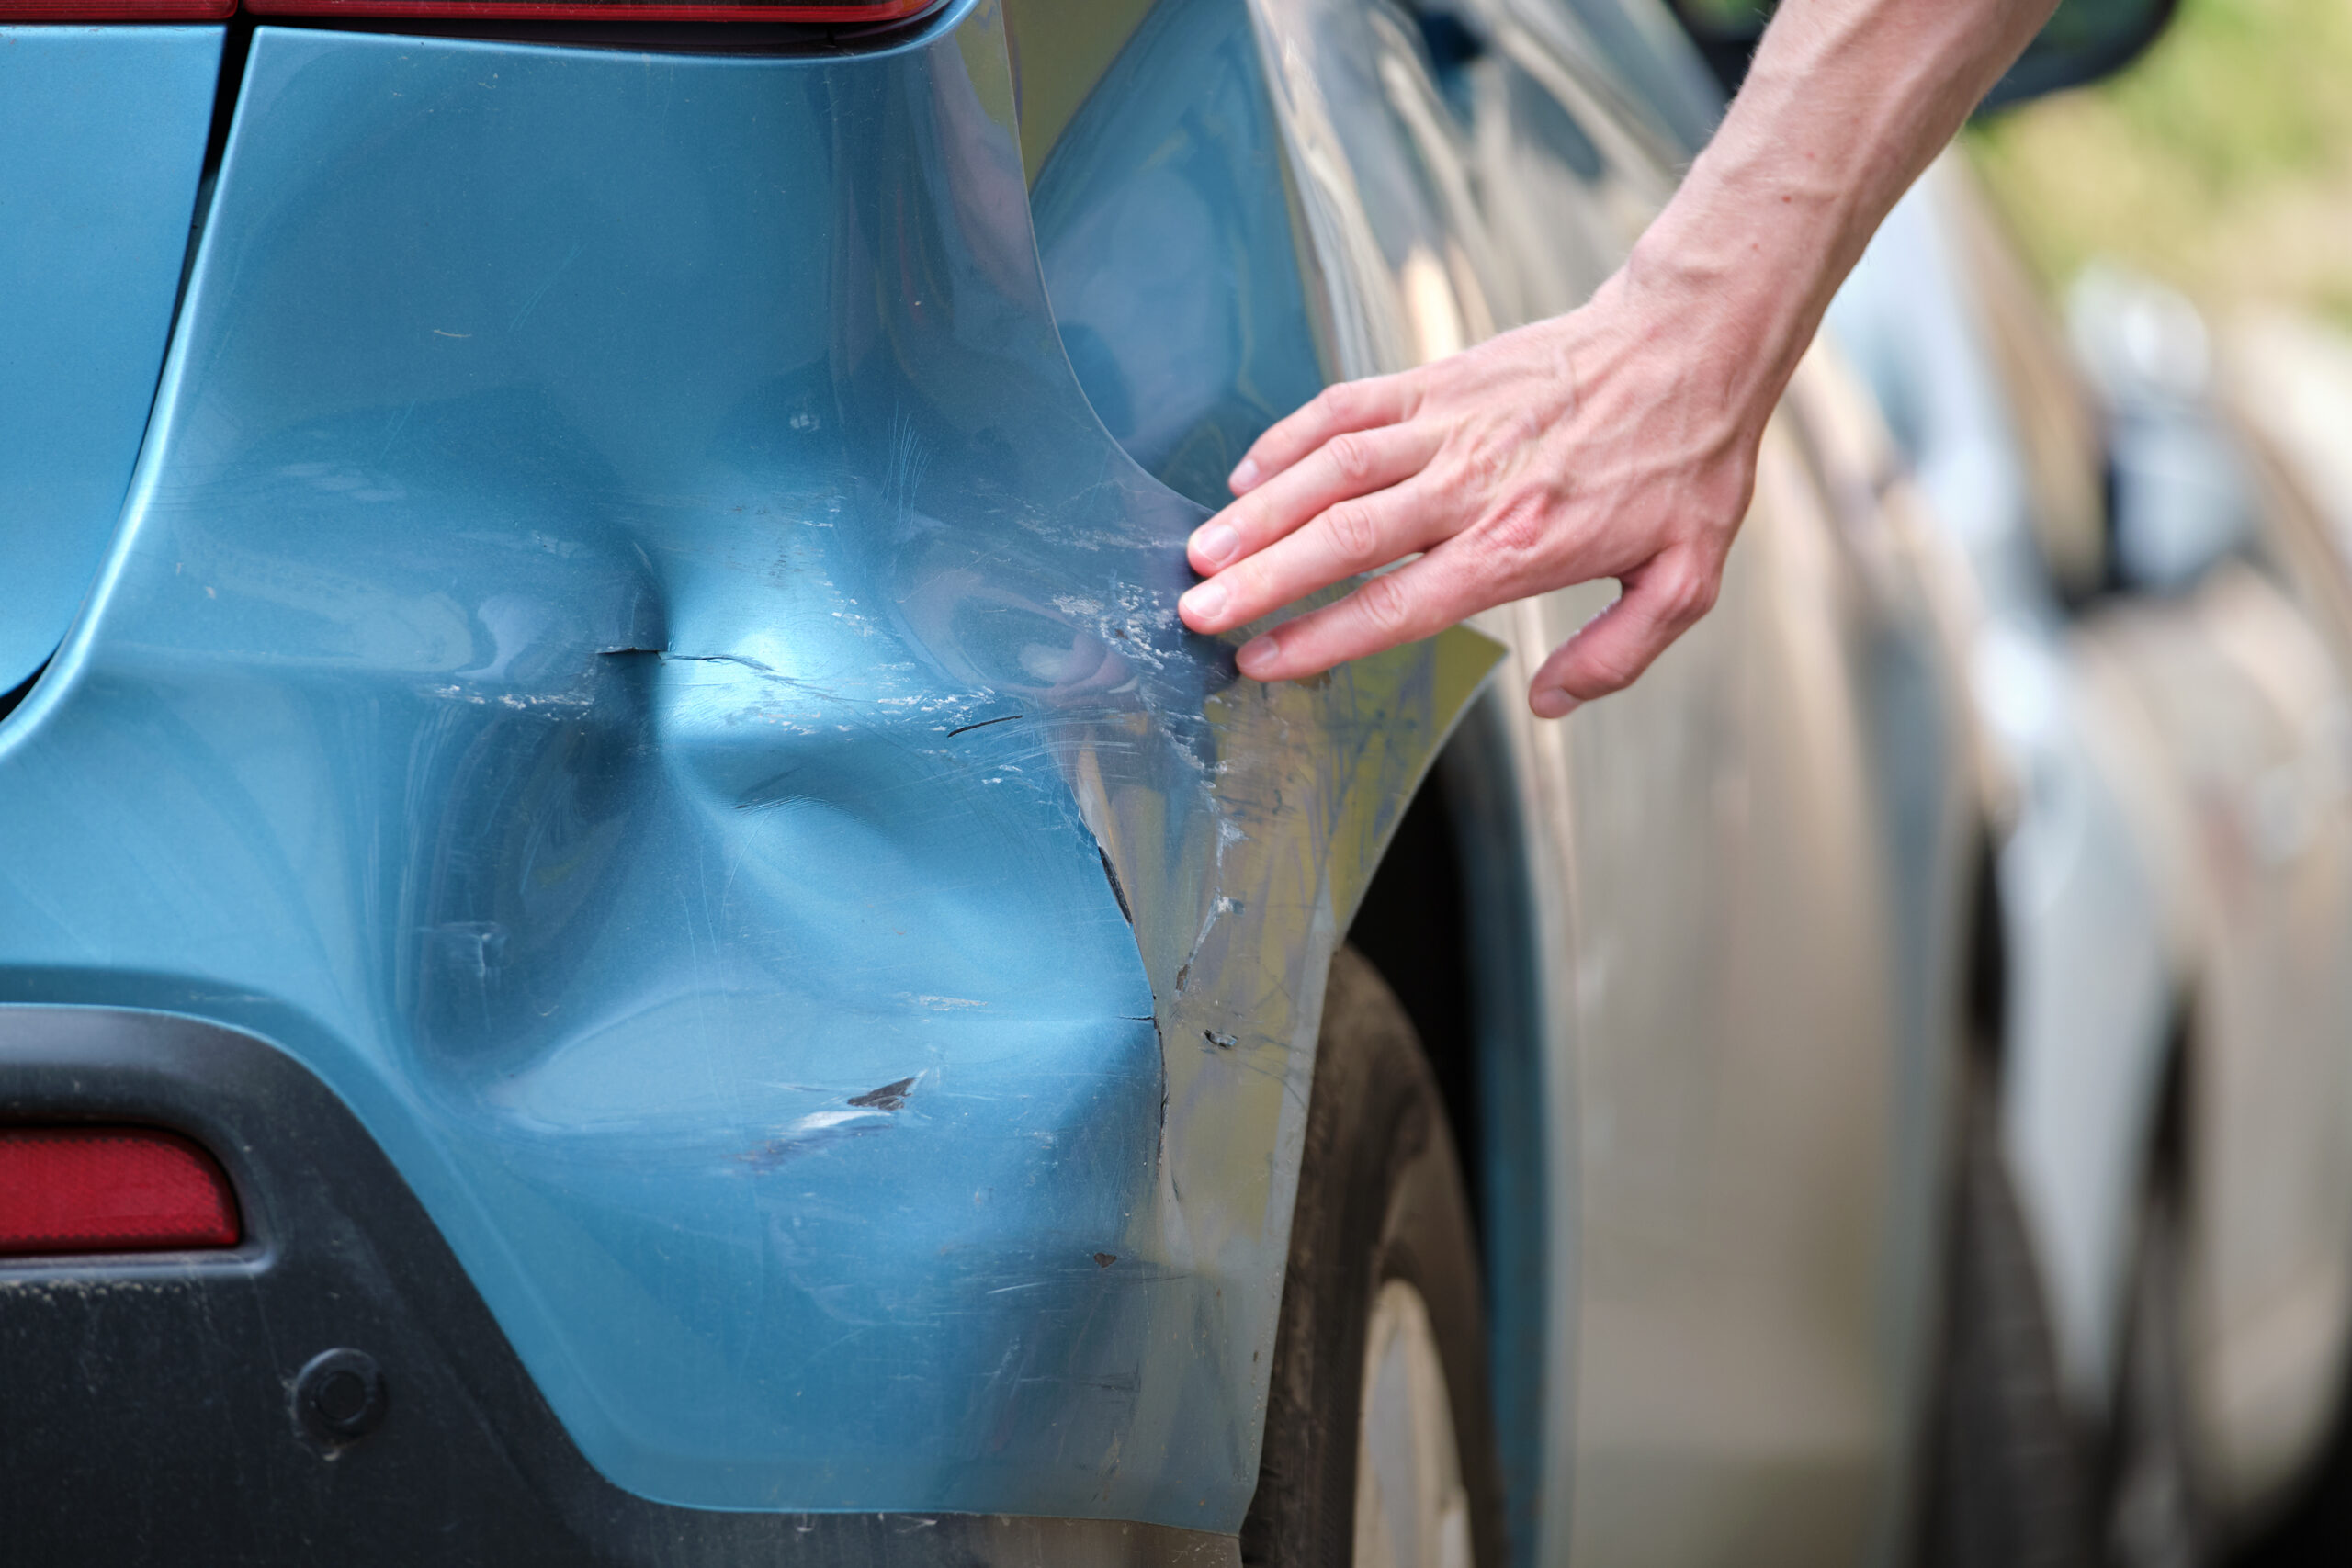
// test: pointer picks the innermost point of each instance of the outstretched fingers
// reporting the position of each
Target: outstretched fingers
(1353, 463)
(1418, 600)
(1340, 407)
(1354, 536)
(1662, 599)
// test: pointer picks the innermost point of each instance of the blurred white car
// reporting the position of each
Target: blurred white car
(2159, 640)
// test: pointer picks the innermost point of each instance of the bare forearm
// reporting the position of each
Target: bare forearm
(1619, 440)
(1846, 102)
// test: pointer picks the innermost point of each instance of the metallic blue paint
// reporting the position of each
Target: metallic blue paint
(630, 656)
(1167, 246)
(94, 227)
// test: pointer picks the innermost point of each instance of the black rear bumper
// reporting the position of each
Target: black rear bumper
(153, 1409)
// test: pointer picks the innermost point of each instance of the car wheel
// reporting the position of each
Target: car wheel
(1379, 1445)
(2004, 1485)
(2153, 1518)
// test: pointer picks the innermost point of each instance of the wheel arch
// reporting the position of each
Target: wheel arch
(929, 516)
(1451, 922)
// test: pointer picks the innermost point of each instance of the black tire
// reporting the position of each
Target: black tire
(2004, 1481)
(2153, 1515)
(1380, 1198)
(2314, 1528)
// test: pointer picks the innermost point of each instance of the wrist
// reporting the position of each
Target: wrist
(1715, 313)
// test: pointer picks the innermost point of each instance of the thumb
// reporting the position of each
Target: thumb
(1663, 598)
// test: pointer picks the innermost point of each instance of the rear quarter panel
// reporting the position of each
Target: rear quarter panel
(630, 656)
(94, 205)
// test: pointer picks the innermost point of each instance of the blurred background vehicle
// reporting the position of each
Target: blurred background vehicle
(2196, 212)
(2287, 376)
(2160, 655)
(2234, 662)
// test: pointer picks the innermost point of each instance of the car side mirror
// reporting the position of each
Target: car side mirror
(2181, 500)
(2083, 42)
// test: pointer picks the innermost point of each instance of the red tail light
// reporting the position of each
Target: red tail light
(109, 1190)
(115, 10)
(602, 11)
(874, 11)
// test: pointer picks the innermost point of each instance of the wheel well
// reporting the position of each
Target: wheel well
(1985, 1000)
(2166, 1164)
(1987, 976)
(1450, 922)
(1412, 926)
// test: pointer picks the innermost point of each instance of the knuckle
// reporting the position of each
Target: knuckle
(1494, 452)
(1384, 606)
(1353, 534)
(1484, 461)
(1689, 593)
(1341, 400)
(1517, 528)
(1352, 458)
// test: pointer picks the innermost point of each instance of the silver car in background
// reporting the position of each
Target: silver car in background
(2158, 644)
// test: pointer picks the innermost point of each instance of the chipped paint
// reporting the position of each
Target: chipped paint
(605, 833)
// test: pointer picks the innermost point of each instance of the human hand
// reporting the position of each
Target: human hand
(1618, 441)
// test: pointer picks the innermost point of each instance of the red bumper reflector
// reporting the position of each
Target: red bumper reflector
(109, 1190)
(602, 10)
(115, 10)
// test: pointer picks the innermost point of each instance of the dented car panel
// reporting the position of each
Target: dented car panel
(630, 656)
(640, 662)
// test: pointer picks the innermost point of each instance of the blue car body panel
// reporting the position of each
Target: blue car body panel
(630, 656)
(1166, 243)
(94, 224)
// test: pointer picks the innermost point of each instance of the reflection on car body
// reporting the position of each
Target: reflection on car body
(629, 769)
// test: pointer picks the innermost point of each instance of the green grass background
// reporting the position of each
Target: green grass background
(2220, 161)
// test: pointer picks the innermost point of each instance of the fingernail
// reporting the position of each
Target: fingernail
(1552, 702)
(1245, 474)
(1203, 603)
(1257, 655)
(1214, 544)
